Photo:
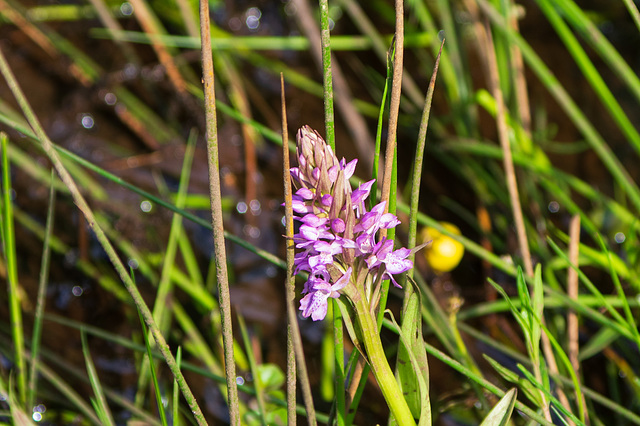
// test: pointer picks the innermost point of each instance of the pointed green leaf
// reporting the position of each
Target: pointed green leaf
(501, 413)
(406, 374)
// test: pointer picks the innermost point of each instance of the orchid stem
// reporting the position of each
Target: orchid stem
(379, 364)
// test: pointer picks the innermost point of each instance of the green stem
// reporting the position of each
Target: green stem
(6, 217)
(379, 364)
(326, 74)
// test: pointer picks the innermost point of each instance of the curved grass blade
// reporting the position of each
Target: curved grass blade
(41, 298)
(152, 370)
(591, 74)
(8, 238)
(99, 402)
(595, 140)
(501, 413)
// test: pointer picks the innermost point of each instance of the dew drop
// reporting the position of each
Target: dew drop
(110, 99)
(241, 207)
(87, 121)
(126, 8)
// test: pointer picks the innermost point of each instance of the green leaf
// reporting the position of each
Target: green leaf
(501, 413)
(418, 364)
(407, 373)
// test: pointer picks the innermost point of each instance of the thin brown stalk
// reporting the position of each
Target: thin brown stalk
(354, 121)
(216, 212)
(294, 341)
(485, 41)
(572, 292)
(290, 282)
(123, 273)
(150, 26)
(503, 135)
(394, 107)
(354, 382)
(521, 93)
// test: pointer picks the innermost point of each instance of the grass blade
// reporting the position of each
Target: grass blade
(100, 403)
(41, 299)
(152, 370)
(501, 413)
(8, 238)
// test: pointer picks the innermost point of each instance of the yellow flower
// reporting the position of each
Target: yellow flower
(444, 253)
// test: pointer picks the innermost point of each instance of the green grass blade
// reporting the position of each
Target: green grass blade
(257, 381)
(100, 403)
(542, 388)
(590, 72)
(631, 320)
(501, 413)
(41, 298)
(152, 370)
(532, 414)
(8, 238)
(176, 392)
(555, 88)
(591, 33)
(161, 314)
(18, 415)
(204, 372)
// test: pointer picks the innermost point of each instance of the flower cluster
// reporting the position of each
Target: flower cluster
(337, 235)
